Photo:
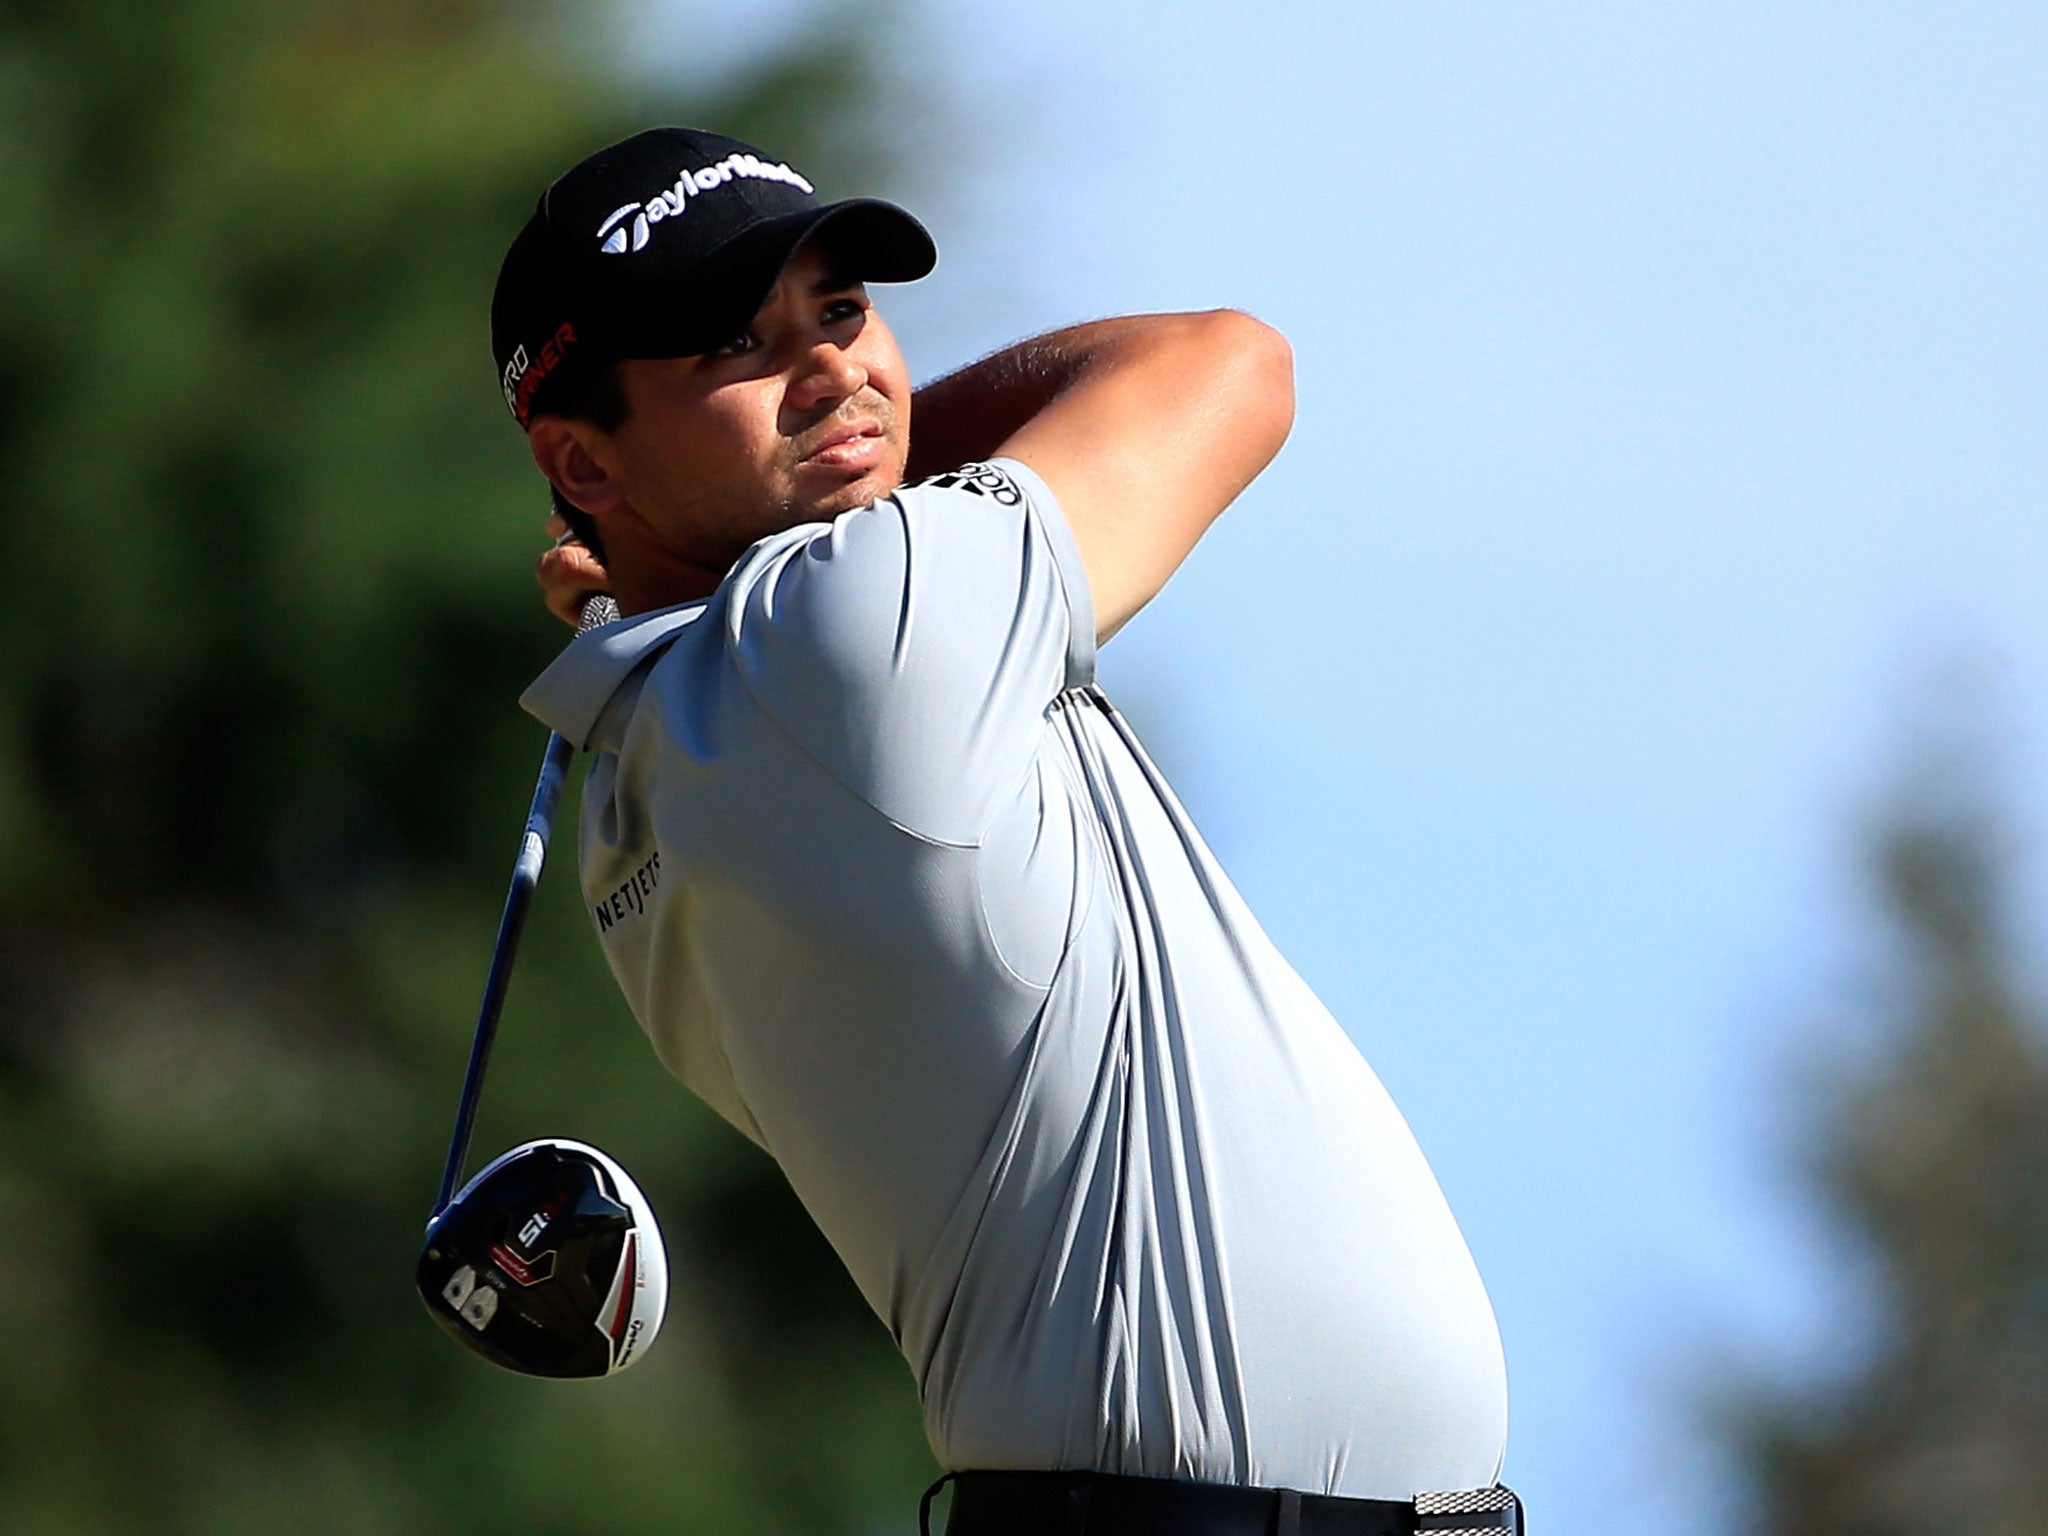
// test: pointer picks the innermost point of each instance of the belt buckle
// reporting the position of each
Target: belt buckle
(1469, 1512)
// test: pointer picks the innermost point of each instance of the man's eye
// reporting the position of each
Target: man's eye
(843, 309)
(738, 346)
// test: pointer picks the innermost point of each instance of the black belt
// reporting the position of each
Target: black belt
(1102, 1504)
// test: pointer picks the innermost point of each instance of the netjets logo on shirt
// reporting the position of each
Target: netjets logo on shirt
(630, 226)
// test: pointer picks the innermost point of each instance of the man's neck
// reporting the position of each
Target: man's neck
(646, 577)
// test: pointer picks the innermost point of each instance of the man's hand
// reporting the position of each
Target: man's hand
(1145, 428)
(568, 572)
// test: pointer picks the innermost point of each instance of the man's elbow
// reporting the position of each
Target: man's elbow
(1255, 374)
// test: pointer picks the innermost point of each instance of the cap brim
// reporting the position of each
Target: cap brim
(871, 241)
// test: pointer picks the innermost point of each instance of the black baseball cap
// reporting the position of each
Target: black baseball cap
(665, 245)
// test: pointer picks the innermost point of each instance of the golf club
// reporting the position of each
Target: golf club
(549, 1262)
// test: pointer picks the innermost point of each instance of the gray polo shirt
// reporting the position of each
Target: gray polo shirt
(892, 886)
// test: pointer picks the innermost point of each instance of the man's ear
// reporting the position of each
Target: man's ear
(577, 459)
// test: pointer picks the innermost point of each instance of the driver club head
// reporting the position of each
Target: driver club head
(548, 1262)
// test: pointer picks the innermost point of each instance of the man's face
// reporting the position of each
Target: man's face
(803, 417)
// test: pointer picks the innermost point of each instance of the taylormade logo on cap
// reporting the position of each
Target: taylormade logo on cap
(616, 236)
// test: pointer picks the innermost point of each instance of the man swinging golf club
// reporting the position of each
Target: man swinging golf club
(891, 885)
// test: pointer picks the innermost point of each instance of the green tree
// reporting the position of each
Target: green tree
(260, 787)
(1936, 1159)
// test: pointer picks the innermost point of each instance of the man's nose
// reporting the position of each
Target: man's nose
(827, 372)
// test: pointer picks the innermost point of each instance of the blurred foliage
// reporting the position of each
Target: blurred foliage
(261, 784)
(1936, 1159)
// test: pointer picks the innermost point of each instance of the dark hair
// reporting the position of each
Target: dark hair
(585, 390)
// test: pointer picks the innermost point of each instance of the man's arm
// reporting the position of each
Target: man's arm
(1145, 428)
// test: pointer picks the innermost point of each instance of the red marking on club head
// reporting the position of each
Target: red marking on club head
(512, 1264)
(626, 1288)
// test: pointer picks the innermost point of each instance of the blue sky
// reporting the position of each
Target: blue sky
(1671, 387)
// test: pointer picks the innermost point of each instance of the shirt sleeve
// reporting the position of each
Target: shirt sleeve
(913, 647)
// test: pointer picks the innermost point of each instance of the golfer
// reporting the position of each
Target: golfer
(891, 885)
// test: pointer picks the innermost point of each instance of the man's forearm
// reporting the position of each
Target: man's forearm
(1143, 429)
(970, 413)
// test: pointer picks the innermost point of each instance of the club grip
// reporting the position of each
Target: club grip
(598, 608)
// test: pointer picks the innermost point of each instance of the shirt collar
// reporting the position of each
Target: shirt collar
(571, 695)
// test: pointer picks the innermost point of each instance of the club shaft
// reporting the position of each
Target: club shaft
(533, 853)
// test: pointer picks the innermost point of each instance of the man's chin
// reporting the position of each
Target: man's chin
(829, 502)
